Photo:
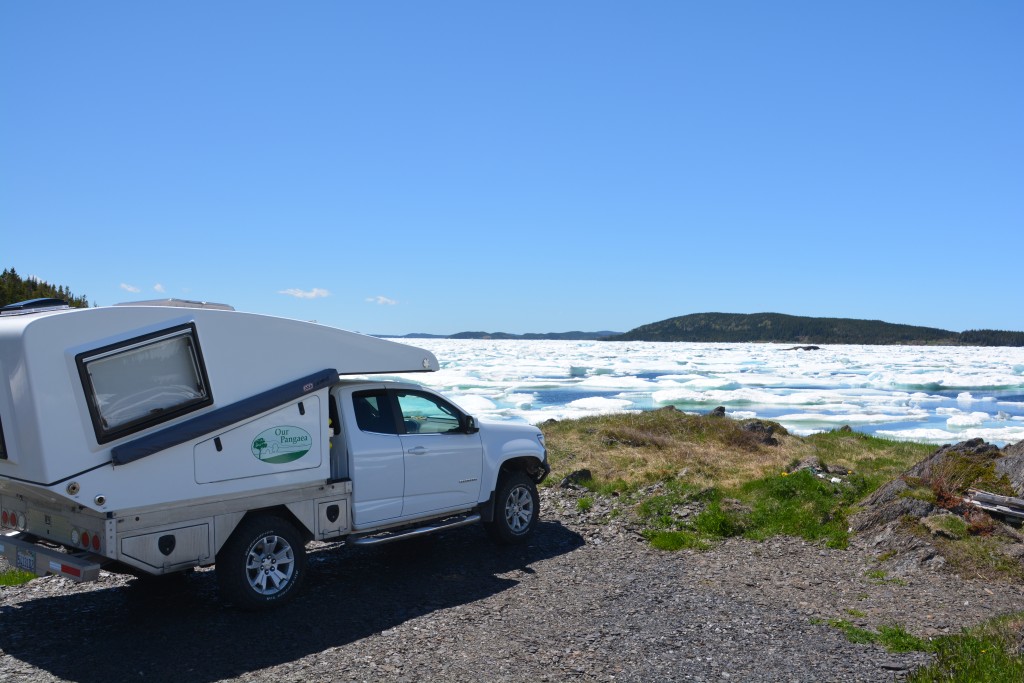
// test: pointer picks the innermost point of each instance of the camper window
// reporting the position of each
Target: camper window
(143, 382)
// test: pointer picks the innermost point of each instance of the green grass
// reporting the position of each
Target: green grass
(584, 504)
(879, 577)
(702, 463)
(803, 505)
(800, 504)
(677, 540)
(892, 638)
(972, 657)
(989, 653)
(15, 577)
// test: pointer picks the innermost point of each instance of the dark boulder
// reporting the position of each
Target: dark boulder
(762, 431)
(717, 412)
(576, 478)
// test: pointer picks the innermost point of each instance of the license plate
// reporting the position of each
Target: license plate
(26, 560)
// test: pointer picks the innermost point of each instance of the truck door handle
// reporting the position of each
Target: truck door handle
(418, 450)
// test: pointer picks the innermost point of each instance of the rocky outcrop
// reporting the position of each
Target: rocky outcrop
(1012, 466)
(907, 516)
(762, 431)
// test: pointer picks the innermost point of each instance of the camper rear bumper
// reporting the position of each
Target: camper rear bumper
(42, 560)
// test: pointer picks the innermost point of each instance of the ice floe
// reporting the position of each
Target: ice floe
(936, 394)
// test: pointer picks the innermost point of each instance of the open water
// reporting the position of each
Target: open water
(933, 394)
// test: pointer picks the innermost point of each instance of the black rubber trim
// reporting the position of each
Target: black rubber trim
(547, 470)
(486, 509)
(220, 418)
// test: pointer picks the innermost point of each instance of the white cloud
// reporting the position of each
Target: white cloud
(159, 288)
(302, 294)
(130, 288)
(381, 300)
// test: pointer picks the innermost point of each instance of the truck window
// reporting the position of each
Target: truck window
(424, 414)
(144, 381)
(3, 444)
(373, 412)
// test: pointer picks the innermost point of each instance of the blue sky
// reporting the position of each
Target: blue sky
(392, 167)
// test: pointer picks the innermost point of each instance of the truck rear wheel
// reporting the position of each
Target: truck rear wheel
(516, 508)
(262, 564)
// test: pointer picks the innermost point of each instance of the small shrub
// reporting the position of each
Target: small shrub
(716, 522)
(978, 522)
(584, 504)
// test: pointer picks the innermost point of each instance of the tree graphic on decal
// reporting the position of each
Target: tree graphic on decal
(259, 444)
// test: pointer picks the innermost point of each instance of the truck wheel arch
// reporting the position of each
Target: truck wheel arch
(530, 465)
(225, 526)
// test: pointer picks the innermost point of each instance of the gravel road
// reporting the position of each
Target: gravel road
(584, 601)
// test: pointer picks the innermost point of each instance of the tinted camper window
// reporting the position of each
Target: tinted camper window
(3, 444)
(144, 381)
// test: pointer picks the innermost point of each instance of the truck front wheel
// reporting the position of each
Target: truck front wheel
(262, 564)
(516, 508)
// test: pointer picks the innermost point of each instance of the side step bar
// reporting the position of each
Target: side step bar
(40, 560)
(411, 533)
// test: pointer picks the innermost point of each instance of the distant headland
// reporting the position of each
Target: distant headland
(770, 327)
(795, 329)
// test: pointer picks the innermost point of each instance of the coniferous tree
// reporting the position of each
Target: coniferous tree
(14, 288)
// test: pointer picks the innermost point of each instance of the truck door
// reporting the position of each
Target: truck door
(442, 462)
(376, 457)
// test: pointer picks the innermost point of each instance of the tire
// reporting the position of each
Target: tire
(263, 563)
(516, 509)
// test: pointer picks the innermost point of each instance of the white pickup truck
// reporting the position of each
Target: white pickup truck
(161, 436)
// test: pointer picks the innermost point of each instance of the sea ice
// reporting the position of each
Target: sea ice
(964, 421)
(924, 393)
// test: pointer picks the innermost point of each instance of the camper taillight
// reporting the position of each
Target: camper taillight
(13, 520)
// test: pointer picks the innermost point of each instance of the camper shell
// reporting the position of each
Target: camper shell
(152, 437)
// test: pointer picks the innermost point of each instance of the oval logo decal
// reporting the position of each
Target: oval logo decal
(281, 444)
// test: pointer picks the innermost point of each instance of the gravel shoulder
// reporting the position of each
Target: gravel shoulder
(586, 600)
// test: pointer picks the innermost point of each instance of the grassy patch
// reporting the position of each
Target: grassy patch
(987, 653)
(879, 577)
(677, 540)
(702, 463)
(956, 473)
(802, 505)
(892, 638)
(980, 556)
(15, 577)
(584, 504)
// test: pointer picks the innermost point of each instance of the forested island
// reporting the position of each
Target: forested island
(795, 329)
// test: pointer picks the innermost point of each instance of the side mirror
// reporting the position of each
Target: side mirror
(471, 426)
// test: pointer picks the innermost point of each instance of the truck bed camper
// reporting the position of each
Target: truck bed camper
(161, 436)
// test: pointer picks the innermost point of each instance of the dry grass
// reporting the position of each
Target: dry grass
(658, 445)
